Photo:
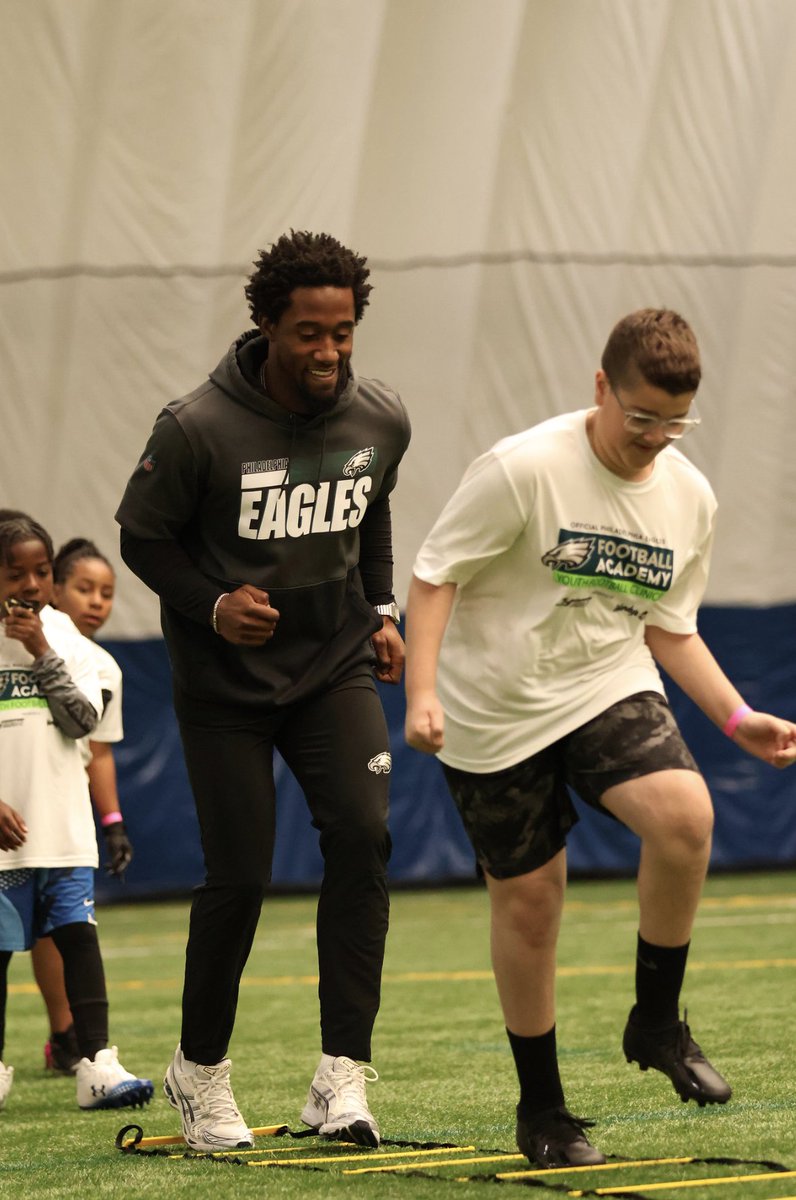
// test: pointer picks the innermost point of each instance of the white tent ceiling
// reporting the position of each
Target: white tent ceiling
(520, 173)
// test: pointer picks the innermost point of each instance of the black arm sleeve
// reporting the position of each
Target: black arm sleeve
(165, 568)
(72, 712)
(375, 552)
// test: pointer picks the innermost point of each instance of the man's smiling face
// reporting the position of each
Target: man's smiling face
(309, 348)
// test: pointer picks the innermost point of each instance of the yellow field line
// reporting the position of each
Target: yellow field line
(744, 964)
(771, 899)
(782, 899)
(135, 985)
(686, 1183)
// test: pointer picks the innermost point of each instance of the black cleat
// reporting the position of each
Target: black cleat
(361, 1133)
(673, 1051)
(61, 1052)
(554, 1138)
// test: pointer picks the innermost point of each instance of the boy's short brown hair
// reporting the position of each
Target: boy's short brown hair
(658, 344)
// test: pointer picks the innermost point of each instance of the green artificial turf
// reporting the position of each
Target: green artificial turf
(446, 1072)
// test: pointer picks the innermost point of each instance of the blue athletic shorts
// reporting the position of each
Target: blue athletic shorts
(36, 900)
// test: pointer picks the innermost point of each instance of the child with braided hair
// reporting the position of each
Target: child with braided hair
(84, 586)
(50, 698)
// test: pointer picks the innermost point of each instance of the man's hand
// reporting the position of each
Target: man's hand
(388, 646)
(425, 723)
(13, 830)
(767, 737)
(24, 624)
(245, 617)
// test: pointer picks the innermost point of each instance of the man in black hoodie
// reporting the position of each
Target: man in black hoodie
(259, 513)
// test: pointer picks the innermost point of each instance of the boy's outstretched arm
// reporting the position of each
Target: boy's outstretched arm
(693, 668)
(428, 608)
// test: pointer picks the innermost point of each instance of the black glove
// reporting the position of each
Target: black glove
(119, 849)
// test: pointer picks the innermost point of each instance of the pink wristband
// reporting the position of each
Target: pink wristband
(111, 819)
(734, 719)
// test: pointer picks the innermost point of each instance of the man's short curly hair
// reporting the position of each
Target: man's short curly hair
(301, 259)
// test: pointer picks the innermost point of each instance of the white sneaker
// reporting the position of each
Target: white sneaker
(104, 1083)
(337, 1106)
(203, 1096)
(6, 1079)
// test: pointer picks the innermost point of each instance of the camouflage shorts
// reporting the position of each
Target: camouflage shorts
(518, 819)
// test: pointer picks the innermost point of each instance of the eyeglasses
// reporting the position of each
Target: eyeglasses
(637, 422)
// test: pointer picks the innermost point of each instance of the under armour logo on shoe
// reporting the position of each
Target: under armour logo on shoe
(98, 1091)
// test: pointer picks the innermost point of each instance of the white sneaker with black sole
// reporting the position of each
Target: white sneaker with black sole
(104, 1083)
(6, 1079)
(203, 1097)
(337, 1106)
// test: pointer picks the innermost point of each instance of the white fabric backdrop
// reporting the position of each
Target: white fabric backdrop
(520, 173)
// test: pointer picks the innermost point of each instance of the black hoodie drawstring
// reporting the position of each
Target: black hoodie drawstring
(323, 448)
(286, 475)
(293, 424)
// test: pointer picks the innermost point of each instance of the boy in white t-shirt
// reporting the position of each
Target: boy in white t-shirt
(570, 560)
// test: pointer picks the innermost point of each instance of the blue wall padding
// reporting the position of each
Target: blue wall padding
(755, 804)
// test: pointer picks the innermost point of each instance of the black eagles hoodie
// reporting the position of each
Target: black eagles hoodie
(232, 488)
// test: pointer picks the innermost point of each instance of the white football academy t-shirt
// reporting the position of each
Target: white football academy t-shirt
(42, 774)
(559, 564)
(109, 727)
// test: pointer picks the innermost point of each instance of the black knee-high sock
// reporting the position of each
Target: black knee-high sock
(85, 985)
(537, 1068)
(659, 978)
(5, 959)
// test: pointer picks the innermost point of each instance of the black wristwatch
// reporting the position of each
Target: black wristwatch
(389, 610)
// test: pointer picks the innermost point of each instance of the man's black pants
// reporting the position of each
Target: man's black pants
(336, 744)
